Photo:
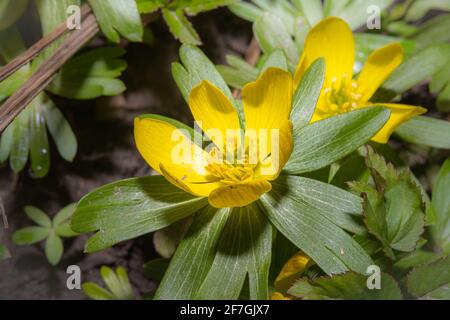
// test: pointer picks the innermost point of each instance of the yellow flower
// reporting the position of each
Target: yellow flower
(291, 271)
(230, 173)
(332, 40)
(280, 296)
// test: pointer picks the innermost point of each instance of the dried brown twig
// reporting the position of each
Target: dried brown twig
(47, 70)
(38, 47)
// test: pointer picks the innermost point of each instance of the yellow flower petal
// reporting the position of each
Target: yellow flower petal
(267, 106)
(271, 167)
(238, 195)
(215, 112)
(331, 39)
(291, 271)
(379, 66)
(400, 113)
(279, 296)
(268, 101)
(202, 187)
(160, 142)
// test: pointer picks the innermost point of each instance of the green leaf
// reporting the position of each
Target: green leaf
(307, 94)
(194, 256)
(440, 79)
(54, 248)
(166, 240)
(246, 11)
(240, 64)
(413, 71)
(21, 137)
(271, 34)
(65, 230)
(401, 28)
(51, 13)
(284, 10)
(91, 74)
(370, 245)
(156, 268)
(60, 129)
(129, 208)
(440, 85)
(13, 82)
(126, 289)
(38, 216)
(309, 213)
(182, 79)
(6, 142)
(441, 204)
(419, 8)
(429, 277)
(30, 235)
(324, 142)
(276, 59)
(442, 293)
(282, 251)
(11, 44)
(64, 214)
(21, 141)
(244, 247)
(61, 222)
(234, 77)
(426, 131)
(348, 286)
(197, 68)
(416, 258)
(394, 211)
(404, 212)
(201, 68)
(355, 12)
(39, 148)
(311, 9)
(193, 7)
(443, 100)
(117, 282)
(11, 11)
(27, 135)
(95, 292)
(149, 6)
(351, 169)
(118, 18)
(341, 207)
(434, 31)
(180, 26)
(4, 253)
(239, 73)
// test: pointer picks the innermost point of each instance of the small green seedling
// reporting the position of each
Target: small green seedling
(4, 253)
(49, 230)
(117, 282)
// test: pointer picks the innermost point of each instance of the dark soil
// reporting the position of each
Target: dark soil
(106, 153)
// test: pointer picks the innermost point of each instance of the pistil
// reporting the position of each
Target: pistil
(340, 96)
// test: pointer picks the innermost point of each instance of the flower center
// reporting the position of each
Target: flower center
(231, 174)
(340, 96)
